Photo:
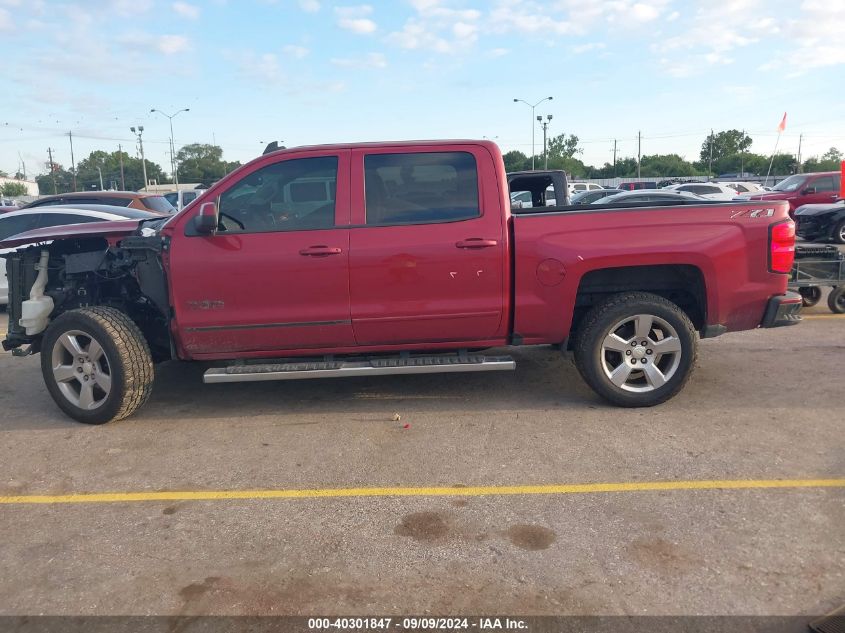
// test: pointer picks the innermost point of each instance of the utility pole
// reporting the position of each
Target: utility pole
(52, 170)
(614, 158)
(800, 138)
(710, 164)
(639, 152)
(742, 159)
(122, 178)
(100, 171)
(72, 161)
(545, 125)
(141, 149)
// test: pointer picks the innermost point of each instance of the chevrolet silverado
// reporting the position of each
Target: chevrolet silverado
(390, 258)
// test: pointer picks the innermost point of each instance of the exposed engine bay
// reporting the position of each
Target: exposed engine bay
(46, 280)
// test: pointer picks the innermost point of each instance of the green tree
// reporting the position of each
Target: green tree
(665, 165)
(200, 162)
(13, 189)
(563, 146)
(88, 176)
(514, 160)
(831, 160)
(724, 143)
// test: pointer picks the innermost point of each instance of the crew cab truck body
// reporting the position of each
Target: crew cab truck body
(414, 265)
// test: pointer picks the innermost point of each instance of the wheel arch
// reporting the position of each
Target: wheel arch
(682, 284)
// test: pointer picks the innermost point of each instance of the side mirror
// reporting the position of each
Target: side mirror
(809, 190)
(206, 221)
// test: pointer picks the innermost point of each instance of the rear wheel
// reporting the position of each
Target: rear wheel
(836, 300)
(810, 296)
(839, 233)
(96, 364)
(636, 349)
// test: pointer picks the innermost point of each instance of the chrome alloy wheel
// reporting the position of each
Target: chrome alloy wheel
(81, 370)
(640, 353)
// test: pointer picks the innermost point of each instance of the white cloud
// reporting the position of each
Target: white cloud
(370, 61)
(438, 28)
(189, 11)
(5, 20)
(172, 44)
(311, 6)
(129, 8)
(352, 18)
(297, 52)
(498, 52)
(586, 48)
(715, 31)
(362, 26)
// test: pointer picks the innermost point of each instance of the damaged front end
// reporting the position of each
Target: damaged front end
(46, 280)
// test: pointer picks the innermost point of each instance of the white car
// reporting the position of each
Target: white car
(180, 199)
(15, 222)
(709, 190)
(578, 187)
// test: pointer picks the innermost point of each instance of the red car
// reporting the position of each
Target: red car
(390, 258)
(799, 189)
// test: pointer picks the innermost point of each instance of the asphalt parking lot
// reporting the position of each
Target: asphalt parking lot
(762, 406)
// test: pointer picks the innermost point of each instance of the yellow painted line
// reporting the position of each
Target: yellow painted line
(452, 491)
(811, 317)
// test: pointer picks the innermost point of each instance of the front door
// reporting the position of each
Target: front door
(427, 247)
(275, 276)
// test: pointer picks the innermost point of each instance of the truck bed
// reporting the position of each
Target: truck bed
(726, 243)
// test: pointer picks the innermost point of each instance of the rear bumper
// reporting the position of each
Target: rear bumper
(782, 310)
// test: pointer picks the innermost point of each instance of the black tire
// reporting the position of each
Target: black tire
(836, 300)
(600, 322)
(838, 234)
(124, 362)
(810, 296)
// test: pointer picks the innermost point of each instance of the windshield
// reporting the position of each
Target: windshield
(790, 184)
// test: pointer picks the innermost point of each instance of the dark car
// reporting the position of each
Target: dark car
(141, 201)
(821, 222)
(588, 197)
(633, 186)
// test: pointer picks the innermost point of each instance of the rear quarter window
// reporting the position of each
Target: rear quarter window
(158, 204)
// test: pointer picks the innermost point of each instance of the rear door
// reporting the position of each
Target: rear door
(427, 247)
(823, 189)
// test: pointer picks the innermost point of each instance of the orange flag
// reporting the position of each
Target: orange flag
(782, 125)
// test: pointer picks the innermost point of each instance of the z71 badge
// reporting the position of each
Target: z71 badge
(755, 213)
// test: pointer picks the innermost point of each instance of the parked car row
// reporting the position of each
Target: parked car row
(21, 221)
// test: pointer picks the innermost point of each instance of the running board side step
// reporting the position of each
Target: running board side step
(359, 367)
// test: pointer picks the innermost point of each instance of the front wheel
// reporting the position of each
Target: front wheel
(96, 364)
(636, 349)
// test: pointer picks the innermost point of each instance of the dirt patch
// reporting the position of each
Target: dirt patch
(531, 537)
(169, 510)
(423, 527)
(197, 590)
(661, 555)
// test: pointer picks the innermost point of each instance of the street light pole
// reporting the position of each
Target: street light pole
(174, 167)
(532, 106)
(101, 177)
(545, 125)
(141, 147)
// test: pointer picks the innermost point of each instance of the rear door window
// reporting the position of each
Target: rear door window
(16, 224)
(825, 183)
(420, 188)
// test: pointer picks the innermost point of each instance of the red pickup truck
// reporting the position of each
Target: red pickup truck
(390, 258)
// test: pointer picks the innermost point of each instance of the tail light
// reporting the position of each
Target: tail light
(781, 246)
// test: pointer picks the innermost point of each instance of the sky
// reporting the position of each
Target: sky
(324, 71)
